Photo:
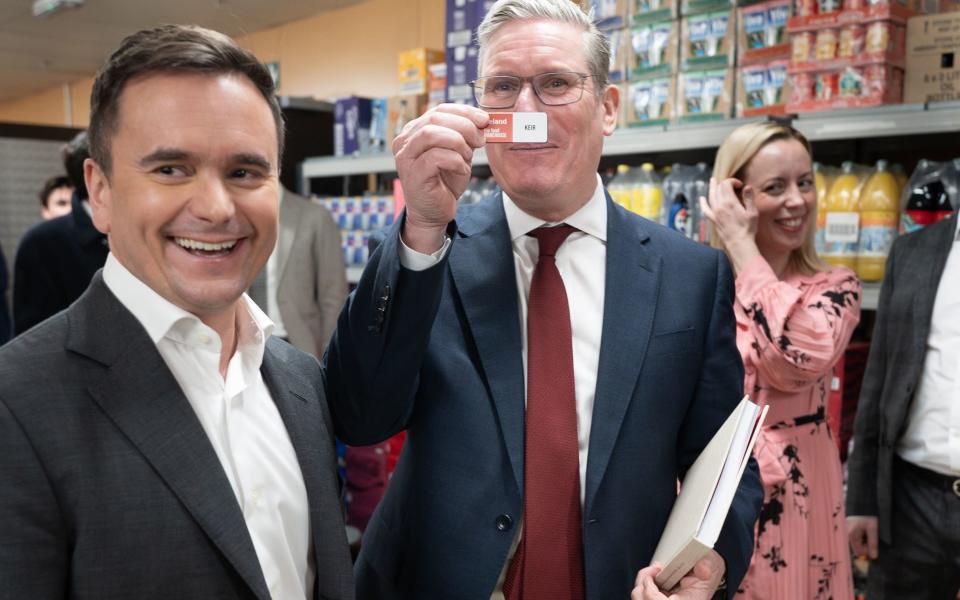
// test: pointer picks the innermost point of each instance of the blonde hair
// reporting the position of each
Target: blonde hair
(734, 156)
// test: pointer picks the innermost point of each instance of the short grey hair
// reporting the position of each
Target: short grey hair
(596, 45)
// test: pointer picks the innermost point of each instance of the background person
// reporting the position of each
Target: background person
(56, 259)
(55, 197)
(304, 284)
(795, 317)
(903, 491)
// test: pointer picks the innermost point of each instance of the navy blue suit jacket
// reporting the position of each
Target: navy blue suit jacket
(669, 374)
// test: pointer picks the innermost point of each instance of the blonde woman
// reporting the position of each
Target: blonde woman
(795, 316)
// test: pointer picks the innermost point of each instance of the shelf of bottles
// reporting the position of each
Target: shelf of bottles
(905, 119)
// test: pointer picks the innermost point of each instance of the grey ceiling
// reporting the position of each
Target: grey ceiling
(39, 53)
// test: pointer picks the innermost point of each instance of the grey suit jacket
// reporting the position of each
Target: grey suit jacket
(109, 487)
(894, 366)
(312, 285)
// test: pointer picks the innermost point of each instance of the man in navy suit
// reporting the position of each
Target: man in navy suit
(552, 415)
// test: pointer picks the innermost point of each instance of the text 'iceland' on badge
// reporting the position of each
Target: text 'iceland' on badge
(517, 127)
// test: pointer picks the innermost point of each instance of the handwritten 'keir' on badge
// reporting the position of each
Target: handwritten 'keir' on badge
(517, 128)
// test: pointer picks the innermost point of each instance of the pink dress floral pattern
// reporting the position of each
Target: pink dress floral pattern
(790, 334)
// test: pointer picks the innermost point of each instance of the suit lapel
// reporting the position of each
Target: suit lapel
(141, 396)
(289, 220)
(299, 407)
(935, 244)
(481, 263)
(630, 303)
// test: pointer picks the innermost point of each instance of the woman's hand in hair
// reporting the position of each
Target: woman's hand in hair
(733, 212)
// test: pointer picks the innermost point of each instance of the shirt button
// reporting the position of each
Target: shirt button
(503, 523)
(255, 498)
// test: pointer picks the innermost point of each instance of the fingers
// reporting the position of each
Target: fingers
(873, 542)
(857, 539)
(463, 121)
(645, 588)
(864, 536)
(647, 573)
(427, 135)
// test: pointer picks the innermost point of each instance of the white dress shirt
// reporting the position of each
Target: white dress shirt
(581, 260)
(273, 284)
(932, 437)
(241, 421)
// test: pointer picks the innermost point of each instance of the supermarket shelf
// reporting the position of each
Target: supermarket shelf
(330, 166)
(906, 119)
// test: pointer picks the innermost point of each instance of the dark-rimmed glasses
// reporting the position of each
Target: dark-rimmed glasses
(553, 89)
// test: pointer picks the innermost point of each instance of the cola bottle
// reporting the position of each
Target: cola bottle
(928, 203)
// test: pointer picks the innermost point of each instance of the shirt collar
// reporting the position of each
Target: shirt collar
(163, 319)
(591, 218)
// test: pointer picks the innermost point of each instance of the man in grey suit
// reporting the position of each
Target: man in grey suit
(305, 281)
(155, 441)
(903, 492)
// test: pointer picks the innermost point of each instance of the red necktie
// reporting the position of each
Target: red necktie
(548, 564)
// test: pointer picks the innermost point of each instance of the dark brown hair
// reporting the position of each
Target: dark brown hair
(74, 153)
(169, 49)
(54, 183)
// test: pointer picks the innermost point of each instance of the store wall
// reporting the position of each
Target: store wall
(348, 51)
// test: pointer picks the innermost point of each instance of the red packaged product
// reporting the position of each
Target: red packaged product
(802, 46)
(825, 85)
(801, 88)
(805, 8)
(852, 38)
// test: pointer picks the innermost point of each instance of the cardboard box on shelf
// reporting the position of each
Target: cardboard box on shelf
(436, 84)
(401, 110)
(650, 101)
(653, 49)
(708, 40)
(705, 95)
(854, 86)
(762, 32)
(351, 125)
(853, 44)
(610, 14)
(763, 89)
(933, 58)
(413, 69)
(652, 11)
(461, 70)
(619, 45)
(864, 13)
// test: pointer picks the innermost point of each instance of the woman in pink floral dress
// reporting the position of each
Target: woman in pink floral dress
(795, 316)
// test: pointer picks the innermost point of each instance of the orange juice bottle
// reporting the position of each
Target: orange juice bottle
(822, 184)
(879, 219)
(842, 219)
